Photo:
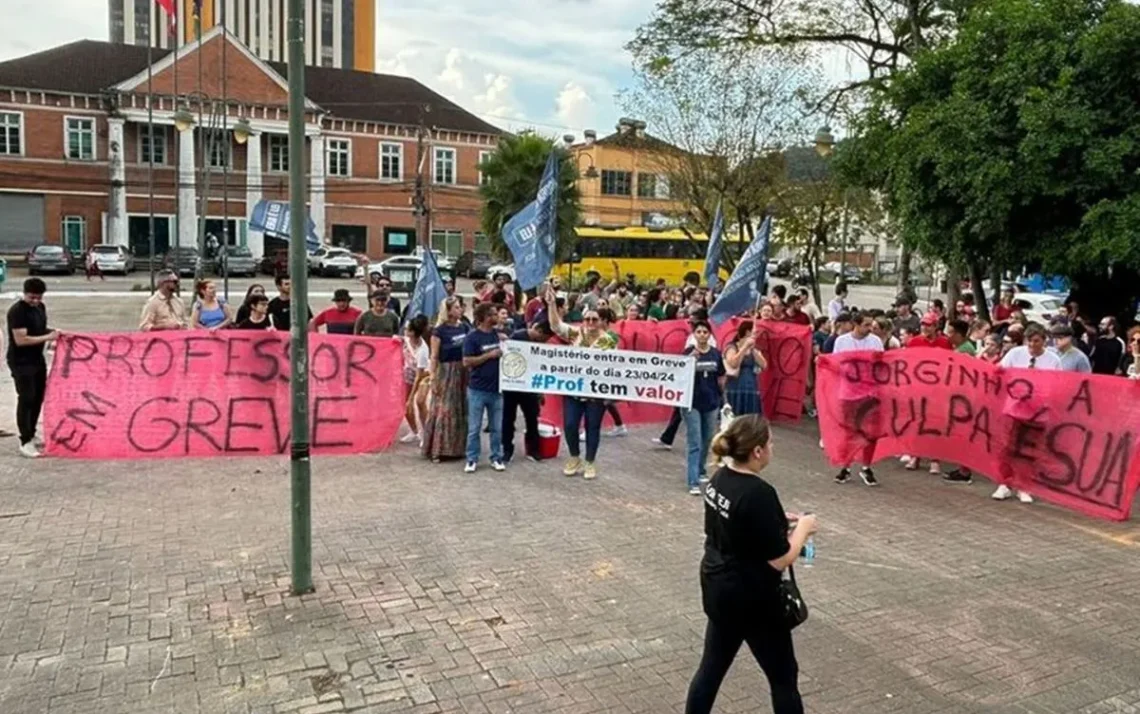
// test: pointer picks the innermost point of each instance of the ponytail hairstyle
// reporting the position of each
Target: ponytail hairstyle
(741, 437)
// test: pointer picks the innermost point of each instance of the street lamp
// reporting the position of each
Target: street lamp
(591, 171)
(825, 147)
(824, 141)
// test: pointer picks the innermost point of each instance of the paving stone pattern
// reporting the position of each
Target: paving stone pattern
(164, 587)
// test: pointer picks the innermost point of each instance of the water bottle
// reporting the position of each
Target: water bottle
(809, 552)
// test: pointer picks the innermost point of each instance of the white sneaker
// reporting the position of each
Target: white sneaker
(1024, 497)
(935, 468)
(821, 443)
(29, 450)
(409, 438)
(661, 444)
(1003, 492)
(470, 467)
(618, 431)
(498, 466)
(695, 491)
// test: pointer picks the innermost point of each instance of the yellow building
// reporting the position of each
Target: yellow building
(624, 177)
(338, 33)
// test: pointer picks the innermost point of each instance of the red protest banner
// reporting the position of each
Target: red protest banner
(1068, 438)
(786, 346)
(195, 394)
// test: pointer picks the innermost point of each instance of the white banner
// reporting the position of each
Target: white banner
(617, 375)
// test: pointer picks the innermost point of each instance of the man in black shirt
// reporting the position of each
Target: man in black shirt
(539, 331)
(1108, 350)
(27, 334)
(279, 306)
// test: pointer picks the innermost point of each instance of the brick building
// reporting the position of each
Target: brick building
(75, 151)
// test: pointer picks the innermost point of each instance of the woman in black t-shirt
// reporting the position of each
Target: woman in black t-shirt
(747, 546)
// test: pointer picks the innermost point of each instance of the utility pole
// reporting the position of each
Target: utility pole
(419, 200)
(299, 463)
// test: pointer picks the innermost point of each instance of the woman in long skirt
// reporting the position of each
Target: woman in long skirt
(445, 428)
(743, 361)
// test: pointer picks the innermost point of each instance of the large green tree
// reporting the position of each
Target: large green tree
(1018, 142)
(511, 175)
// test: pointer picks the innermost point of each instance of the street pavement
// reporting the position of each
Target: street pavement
(164, 587)
(138, 283)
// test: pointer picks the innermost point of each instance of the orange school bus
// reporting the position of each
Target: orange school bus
(649, 254)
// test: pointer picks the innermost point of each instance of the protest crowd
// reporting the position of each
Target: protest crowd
(451, 373)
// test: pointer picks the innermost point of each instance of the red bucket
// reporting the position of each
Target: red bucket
(549, 440)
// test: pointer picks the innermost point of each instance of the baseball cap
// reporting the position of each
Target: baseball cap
(929, 319)
(341, 294)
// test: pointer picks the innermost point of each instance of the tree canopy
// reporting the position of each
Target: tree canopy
(1019, 140)
(511, 175)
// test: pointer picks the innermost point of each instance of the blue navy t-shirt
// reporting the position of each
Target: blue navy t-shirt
(706, 387)
(485, 377)
(451, 341)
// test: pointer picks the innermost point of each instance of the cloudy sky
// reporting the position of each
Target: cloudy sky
(552, 65)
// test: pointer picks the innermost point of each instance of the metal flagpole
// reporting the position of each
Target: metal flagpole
(299, 464)
(150, 140)
(206, 134)
(228, 142)
(177, 140)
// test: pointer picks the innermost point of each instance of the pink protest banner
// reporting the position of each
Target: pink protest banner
(787, 348)
(196, 394)
(1069, 438)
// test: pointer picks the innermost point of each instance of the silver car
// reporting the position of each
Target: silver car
(113, 258)
(235, 260)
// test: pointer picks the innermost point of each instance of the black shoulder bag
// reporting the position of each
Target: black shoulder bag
(794, 610)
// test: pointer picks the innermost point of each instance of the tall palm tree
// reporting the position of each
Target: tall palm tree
(511, 175)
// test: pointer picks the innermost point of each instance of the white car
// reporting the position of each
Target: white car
(1038, 307)
(331, 262)
(113, 258)
(501, 268)
(402, 270)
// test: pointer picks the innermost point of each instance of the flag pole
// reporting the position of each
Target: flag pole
(150, 140)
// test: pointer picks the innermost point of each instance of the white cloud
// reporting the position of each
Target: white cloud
(575, 107)
(33, 25)
(515, 58)
(507, 58)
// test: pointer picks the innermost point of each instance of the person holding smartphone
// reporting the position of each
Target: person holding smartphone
(748, 545)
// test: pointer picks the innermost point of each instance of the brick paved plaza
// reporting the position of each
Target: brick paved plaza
(163, 586)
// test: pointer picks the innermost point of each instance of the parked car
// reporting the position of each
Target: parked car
(852, 274)
(402, 270)
(50, 259)
(114, 258)
(473, 265)
(446, 265)
(330, 261)
(784, 268)
(183, 260)
(1038, 307)
(507, 268)
(275, 262)
(235, 260)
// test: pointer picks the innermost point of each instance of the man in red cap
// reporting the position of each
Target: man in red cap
(930, 336)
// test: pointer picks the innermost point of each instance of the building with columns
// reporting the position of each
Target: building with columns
(339, 33)
(75, 151)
